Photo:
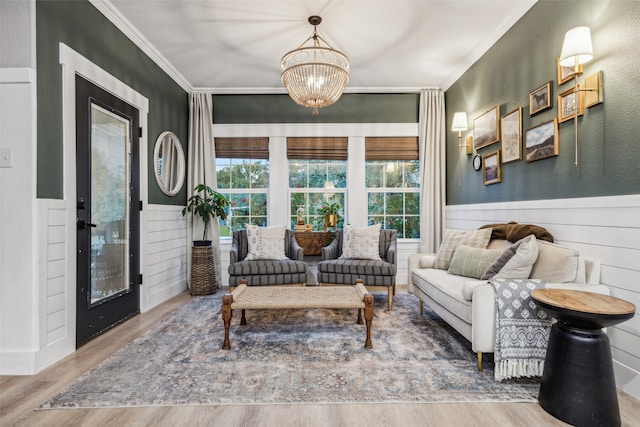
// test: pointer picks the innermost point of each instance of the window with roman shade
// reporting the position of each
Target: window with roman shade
(392, 176)
(317, 176)
(242, 168)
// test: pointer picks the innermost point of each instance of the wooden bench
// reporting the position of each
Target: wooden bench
(307, 297)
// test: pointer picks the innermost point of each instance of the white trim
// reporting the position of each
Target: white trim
(73, 63)
(129, 30)
(283, 91)
(315, 129)
(17, 75)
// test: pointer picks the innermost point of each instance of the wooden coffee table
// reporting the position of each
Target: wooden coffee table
(578, 385)
(305, 297)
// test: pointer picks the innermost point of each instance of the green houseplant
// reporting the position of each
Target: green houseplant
(207, 204)
(331, 214)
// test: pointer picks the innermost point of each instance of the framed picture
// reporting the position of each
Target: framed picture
(491, 172)
(511, 136)
(569, 103)
(566, 73)
(485, 128)
(541, 141)
(540, 99)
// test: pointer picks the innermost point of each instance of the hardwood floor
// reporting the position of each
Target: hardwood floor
(20, 395)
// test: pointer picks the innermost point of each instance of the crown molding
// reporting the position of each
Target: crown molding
(128, 29)
(483, 47)
(282, 90)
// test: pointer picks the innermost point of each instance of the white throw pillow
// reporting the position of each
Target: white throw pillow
(557, 264)
(361, 242)
(454, 238)
(265, 242)
(516, 261)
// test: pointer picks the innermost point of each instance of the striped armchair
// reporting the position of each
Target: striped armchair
(266, 271)
(382, 273)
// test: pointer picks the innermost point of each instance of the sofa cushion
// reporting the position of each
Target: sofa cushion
(445, 289)
(472, 262)
(266, 267)
(361, 242)
(363, 267)
(265, 242)
(557, 264)
(455, 238)
(515, 262)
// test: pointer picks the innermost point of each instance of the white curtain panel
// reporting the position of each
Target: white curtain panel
(431, 137)
(201, 170)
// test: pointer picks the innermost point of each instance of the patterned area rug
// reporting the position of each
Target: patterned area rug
(293, 356)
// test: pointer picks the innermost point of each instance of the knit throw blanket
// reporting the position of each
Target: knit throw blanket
(522, 329)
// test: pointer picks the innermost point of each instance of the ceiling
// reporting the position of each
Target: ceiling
(235, 46)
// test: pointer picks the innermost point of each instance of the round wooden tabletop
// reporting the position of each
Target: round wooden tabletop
(585, 302)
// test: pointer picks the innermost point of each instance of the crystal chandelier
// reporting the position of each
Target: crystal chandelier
(315, 75)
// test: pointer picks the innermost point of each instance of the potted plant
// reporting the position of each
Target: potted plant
(207, 204)
(331, 213)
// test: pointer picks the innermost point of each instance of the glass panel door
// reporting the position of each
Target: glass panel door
(110, 183)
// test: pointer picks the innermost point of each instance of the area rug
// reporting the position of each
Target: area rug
(293, 356)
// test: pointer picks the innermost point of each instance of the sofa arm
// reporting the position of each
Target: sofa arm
(414, 264)
(331, 251)
(391, 256)
(233, 253)
(296, 251)
(483, 318)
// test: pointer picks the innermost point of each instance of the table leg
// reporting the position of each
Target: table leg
(243, 319)
(226, 317)
(359, 321)
(368, 316)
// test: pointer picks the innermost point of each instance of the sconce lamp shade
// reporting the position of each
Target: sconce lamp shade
(577, 45)
(459, 122)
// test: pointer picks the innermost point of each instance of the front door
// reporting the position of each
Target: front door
(107, 203)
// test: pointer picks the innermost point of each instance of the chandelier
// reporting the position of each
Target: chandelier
(315, 75)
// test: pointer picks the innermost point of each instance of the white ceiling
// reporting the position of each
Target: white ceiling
(235, 46)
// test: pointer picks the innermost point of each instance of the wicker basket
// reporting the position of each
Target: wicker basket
(203, 275)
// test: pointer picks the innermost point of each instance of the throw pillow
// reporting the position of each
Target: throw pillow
(558, 264)
(361, 242)
(455, 238)
(472, 262)
(265, 242)
(515, 262)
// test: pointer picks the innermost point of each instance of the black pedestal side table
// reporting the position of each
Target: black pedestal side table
(578, 385)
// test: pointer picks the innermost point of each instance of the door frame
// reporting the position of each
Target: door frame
(73, 63)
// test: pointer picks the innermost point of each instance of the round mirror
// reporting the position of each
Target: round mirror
(168, 163)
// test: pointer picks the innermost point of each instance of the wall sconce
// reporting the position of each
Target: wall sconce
(577, 50)
(459, 124)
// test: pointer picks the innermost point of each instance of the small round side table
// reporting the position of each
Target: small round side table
(578, 385)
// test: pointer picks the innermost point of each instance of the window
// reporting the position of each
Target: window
(392, 174)
(242, 169)
(317, 176)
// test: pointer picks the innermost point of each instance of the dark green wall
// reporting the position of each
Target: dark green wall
(83, 28)
(524, 59)
(350, 108)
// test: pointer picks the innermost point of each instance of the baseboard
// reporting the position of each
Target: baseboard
(30, 363)
(158, 296)
(627, 379)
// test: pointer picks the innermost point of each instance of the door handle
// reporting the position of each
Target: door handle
(82, 224)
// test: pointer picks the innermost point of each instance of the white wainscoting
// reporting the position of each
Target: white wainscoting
(165, 269)
(606, 228)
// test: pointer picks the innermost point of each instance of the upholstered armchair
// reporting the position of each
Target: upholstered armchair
(257, 272)
(374, 273)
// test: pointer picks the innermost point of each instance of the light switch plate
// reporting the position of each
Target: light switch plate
(5, 158)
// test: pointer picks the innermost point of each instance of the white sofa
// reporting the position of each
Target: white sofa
(468, 304)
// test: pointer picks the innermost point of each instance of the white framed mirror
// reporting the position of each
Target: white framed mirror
(169, 163)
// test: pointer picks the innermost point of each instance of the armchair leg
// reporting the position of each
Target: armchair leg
(480, 361)
(421, 304)
(391, 292)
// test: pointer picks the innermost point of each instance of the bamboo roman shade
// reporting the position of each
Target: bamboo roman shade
(242, 148)
(391, 148)
(325, 148)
